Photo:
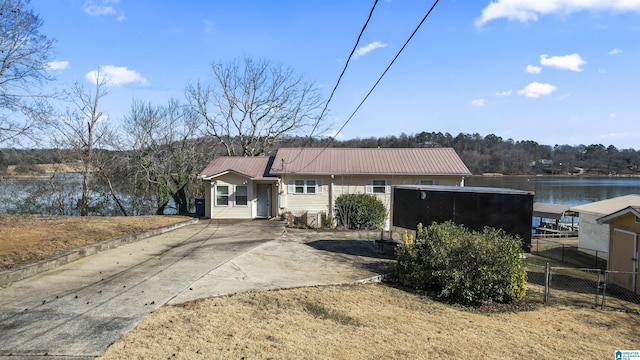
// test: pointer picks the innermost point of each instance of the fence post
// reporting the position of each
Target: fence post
(597, 290)
(547, 274)
(604, 289)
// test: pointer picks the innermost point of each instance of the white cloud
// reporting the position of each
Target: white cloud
(477, 102)
(615, 51)
(571, 62)
(504, 93)
(368, 48)
(103, 8)
(533, 69)
(57, 65)
(117, 75)
(530, 10)
(536, 89)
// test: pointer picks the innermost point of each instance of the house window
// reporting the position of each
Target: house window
(305, 187)
(222, 195)
(311, 187)
(241, 195)
(379, 186)
(427, 182)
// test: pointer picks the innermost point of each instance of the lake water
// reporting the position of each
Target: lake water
(563, 190)
(40, 194)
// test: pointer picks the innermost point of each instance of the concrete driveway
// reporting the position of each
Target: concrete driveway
(79, 309)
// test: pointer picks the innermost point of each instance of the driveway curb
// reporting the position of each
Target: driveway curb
(25, 271)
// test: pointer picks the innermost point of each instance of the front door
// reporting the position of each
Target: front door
(264, 201)
(624, 257)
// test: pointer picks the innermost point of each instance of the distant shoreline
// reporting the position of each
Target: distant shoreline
(44, 171)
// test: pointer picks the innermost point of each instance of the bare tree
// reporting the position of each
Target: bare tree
(254, 104)
(164, 141)
(24, 63)
(83, 130)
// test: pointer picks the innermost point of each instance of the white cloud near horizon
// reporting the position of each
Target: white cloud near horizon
(477, 102)
(536, 89)
(103, 8)
(615, 51)
(504, 93)
(531, 69)
(117, 75)
(571, 62)
(362, 51)
(530, 10)
(57, 65)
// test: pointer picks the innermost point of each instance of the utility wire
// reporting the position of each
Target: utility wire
(332, 139)
(326, 105)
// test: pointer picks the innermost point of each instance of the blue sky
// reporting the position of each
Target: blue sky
(554, 71)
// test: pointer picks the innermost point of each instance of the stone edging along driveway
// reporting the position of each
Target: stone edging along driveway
(25, 271)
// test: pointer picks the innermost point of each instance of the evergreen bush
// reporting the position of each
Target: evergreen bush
(360, 212)
(463, 266)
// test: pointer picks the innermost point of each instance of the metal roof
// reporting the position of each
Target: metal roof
(468, 189)
(394, 161)
(256, 167)
(549, 211)
(609, 206)
(635, 210)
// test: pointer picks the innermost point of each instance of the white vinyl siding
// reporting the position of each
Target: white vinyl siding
(344, 184)
(314, 197)
(233, 210)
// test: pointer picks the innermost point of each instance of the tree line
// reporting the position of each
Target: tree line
(147, 161)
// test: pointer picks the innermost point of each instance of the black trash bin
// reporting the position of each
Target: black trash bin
(200, 207)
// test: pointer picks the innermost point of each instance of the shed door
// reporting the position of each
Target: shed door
(264, 201)
(624, 257)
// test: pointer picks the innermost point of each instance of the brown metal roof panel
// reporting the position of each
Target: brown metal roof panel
(441, 161)
(253, 167)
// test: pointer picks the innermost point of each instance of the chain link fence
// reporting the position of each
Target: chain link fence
(566, 250)
(586, 287)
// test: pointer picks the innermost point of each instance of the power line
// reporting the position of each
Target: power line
(326, 105)
(332, 139)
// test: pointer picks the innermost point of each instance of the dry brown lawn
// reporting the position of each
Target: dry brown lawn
(372, 321)
(26, 239)
(44, 169)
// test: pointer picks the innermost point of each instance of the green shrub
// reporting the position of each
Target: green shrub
(360, 212)
(463, 266)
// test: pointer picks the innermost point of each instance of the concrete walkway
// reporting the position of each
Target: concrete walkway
(79, 309)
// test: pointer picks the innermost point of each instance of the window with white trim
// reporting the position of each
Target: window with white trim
(427, 182)
(378, 187)
(242, 195)
(310, 187)
(222, 195)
